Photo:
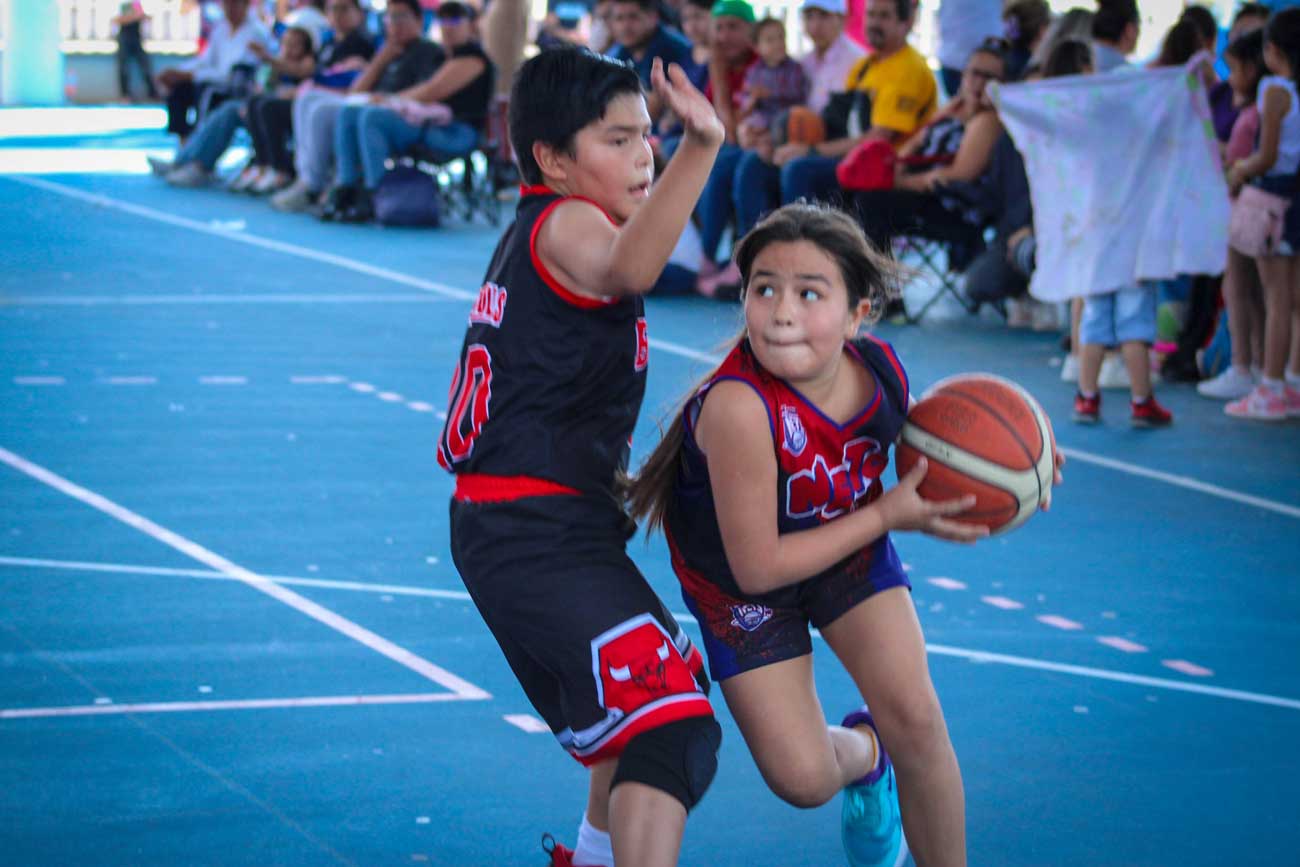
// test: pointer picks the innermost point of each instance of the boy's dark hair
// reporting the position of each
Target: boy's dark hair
(706, 5)
(1112, 17)
(1029, 18)
(1181, 44)
(868, 274)
(1070, 57)
(768, 22)
(905, 9)
(1249, 48)
(1250, 10)
(413, 5)
(1203, 20)
(556, 94)
(643, 5)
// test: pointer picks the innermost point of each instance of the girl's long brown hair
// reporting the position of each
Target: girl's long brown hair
(868, 274)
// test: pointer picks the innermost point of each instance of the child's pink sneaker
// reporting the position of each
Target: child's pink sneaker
(1262, 404)
(1292, 396)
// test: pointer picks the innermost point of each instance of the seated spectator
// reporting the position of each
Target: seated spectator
(395, 124)
(833, 54)
(269, 118)
(322, 116)
(697, 27)
(894, 80)
(197, 158)
(1026, 24)
(640, 39)
(774, 84)
(206, 78)
(954, 148)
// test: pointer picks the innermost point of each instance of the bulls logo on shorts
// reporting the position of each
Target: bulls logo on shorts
(636, 663)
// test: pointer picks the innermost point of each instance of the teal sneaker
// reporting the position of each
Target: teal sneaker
(870, 825)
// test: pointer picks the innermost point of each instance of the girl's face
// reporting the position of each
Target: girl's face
(1275, 60)
(612, 163)
(797, 312)
(770, 44)
(1242, 77)
(294, 46)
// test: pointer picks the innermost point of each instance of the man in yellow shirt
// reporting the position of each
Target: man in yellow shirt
(900, 88)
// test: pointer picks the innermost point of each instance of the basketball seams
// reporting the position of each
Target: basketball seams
(981, 470)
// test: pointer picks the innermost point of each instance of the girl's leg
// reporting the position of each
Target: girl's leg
(1137, 360)
(645, 825)
(1237, 279)
(879, 642)
(803, 761)
(1076, 314)
(1277, 273)
(1293, 362)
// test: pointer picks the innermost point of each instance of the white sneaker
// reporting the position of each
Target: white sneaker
(1228, 385)
(159, 166)
(1113, 372)
(1261, 404)
(1293, 380)
(1043, 316)
(1070, 368)
(271, 181)
(246, 180)
(1019, 313)
(189, 175)
(295, 197)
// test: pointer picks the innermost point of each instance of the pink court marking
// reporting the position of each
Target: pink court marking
(947, 583)
(1002, 602)
(1182, 665)
(238, 704)
(1058, 621)
(1122, 644)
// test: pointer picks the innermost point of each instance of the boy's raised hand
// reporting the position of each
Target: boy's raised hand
(697, 114)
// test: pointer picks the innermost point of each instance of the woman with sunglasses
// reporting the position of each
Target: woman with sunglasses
(955, 147)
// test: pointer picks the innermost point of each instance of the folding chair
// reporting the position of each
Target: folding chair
(474, 184)
(942, 258)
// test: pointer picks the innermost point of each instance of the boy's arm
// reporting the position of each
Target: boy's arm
(591, 256)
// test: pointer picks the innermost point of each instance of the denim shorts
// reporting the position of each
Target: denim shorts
(1121, 316)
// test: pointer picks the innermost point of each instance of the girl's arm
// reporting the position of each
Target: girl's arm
(1276, 104)
(593, 257)
(447, 81)
(734, 432)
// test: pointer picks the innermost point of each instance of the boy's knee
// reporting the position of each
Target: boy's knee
(679, 758)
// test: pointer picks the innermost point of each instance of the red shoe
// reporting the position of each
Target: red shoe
(1087, 410)
(1148, 413)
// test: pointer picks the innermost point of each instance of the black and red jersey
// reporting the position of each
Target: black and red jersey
(824, 469)
(549, 383)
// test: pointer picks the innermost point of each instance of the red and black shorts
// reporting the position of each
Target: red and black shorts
(599, 656)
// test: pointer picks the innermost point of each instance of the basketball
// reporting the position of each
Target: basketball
(986, 436)
(804, 126)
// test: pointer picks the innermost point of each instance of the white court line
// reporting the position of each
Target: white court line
(161, 300)
(1182, 482)
(317, 380)
(663, 345)
(234, 704)
(223, 380)
(1059, 622)
(947, 583)
(127, 569)
(1121, 644)
(527, 722)
(341, 624)
(39, 380)
(1002, 602)
(682, 617)
(130, 380)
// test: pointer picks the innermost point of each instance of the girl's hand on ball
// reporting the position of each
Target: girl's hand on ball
(904, 509)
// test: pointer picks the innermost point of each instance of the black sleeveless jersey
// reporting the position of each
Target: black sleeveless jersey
(549, 383)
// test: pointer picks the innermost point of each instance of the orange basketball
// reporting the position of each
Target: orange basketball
(986, 436)
(804, 126)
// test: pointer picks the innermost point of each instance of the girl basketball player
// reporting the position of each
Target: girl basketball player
(768, 489)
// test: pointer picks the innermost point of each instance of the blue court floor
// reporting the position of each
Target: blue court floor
(230, 632)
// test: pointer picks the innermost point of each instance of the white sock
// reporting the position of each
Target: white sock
(594, 848)
(1274, 385)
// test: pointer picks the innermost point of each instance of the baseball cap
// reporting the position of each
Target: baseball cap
(733, 8)
(835, 7)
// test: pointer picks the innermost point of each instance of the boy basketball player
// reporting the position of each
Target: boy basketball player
(539, 423)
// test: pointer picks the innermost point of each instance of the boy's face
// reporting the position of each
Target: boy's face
(631, 25)
(695, 24)
(612, 164)
(732, 38)
(770, 44)
(822, 27)
(885, 30)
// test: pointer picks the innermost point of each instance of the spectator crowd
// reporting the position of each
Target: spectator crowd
(859, 120)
